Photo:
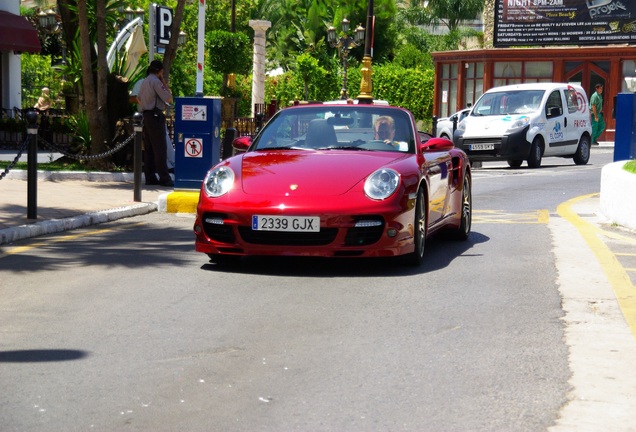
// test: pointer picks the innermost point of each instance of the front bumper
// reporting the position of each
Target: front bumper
(508, 147)
(356, 235)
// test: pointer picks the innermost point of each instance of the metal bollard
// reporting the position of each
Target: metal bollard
(259, 123)
(434, 128)
(230, 135)
(138, 120)
(32, 164)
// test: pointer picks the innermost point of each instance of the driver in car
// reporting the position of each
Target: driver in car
(384, 129)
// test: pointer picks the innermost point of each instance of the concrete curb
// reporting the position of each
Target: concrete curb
(21, 232)
(92, 176)
(617, 190)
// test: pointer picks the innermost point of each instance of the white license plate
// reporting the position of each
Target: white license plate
(482, 146)
(286, 223)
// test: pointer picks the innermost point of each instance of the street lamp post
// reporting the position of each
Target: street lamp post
(345, 43)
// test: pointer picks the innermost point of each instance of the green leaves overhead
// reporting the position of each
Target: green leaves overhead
(229, 52)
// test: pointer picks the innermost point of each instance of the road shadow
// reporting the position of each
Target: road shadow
(126, 243)
(41, 355)
(439, 253)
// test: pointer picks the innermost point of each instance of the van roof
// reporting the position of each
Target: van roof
(533, 86)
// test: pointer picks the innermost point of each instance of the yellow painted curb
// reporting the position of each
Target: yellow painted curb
(182, 202)
(618, 278)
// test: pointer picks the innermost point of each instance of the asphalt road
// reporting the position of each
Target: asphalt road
(125, 327)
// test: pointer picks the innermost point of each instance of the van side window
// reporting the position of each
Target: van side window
(573, 100)
(554, 105)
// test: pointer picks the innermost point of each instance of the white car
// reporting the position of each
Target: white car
(527, 122)
(445, 124)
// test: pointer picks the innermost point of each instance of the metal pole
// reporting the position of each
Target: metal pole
(366, 83)
(344, 92)
(32, 165)
(138, 118)
(151, 31)
(200, 49)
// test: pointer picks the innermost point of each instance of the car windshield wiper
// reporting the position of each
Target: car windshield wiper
(282, 148)
(342, 148)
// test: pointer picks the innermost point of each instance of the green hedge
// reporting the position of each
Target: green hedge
(408, 88)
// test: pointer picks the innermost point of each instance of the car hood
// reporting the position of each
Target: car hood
(309, 173)
(490, 125)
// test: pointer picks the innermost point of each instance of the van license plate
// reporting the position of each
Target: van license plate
(482, 146)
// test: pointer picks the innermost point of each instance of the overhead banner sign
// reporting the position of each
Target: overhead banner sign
(564, 22)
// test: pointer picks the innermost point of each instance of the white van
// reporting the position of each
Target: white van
(527, 122)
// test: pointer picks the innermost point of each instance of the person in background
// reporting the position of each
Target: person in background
(169, 147)
(153, 96)
(596, 106)
(44, 101)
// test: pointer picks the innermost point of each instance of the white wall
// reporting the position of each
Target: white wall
(11, 66)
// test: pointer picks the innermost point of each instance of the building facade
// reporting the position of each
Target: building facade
(17, 35)
(461, 77)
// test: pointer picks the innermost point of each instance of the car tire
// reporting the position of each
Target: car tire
(582, 155)
(536, 153)
(463, 232)
(515, 163)
(420, 222)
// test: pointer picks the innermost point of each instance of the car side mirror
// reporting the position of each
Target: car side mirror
(241, 144)
(437, 144)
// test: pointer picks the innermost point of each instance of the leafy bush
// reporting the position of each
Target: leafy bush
(630, 166)
(81, 133)
(408, 88)
(229, 52)
(36, 74)
(409, 56)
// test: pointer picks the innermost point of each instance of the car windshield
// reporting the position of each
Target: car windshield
(338, 127)
(508, 102)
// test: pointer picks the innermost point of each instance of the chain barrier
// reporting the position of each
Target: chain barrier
(52, 146)
(15, 161)
(88, 157)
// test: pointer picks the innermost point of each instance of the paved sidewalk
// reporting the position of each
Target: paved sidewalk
(69, 201)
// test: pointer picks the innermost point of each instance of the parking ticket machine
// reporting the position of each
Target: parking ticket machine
(197, 139)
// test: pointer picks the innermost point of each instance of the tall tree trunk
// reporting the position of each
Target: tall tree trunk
(102, 76)
(90, 96)
(171, 49)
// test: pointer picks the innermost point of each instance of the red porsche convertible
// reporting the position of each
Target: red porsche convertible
(335, 180)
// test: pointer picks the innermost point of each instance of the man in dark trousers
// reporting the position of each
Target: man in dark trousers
(153, 96)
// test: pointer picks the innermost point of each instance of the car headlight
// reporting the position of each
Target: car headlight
(519, 123)
(381, 184)
(219, 181)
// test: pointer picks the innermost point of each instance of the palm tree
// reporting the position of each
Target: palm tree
(449, 13)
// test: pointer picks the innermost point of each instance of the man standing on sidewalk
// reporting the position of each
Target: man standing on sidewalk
(596, 106)
(153, 97)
